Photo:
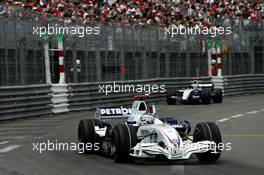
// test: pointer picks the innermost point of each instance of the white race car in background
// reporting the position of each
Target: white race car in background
(196, 93)
(146, 136)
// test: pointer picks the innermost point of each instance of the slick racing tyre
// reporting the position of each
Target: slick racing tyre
(205, 96)
(208, 131)
(218, 98)
(86, 133)
(124, 138)
(171, 101)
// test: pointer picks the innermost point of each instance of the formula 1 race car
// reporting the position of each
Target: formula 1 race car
(143, 135)
(196, 93)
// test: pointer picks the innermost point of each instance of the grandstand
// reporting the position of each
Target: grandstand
(161, 13)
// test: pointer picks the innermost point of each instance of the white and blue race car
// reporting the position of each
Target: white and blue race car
(144, 135)
(196, 93)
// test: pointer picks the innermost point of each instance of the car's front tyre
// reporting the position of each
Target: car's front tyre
(124, 138)
(86, 133)
(208, 131)
(218, 98)
(205, 96)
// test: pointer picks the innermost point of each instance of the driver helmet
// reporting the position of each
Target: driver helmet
(195, 84)
(213, 61)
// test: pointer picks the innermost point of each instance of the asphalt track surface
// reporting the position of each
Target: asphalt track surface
(241, 121)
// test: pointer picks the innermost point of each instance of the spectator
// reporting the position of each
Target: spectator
(161, 13)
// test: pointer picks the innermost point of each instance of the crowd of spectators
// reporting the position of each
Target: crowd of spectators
(161, 13)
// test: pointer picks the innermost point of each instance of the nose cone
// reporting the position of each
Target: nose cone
(173, 137)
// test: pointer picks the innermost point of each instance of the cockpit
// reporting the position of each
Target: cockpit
(142, 106)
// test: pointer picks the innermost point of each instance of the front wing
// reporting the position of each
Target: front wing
(150, 150)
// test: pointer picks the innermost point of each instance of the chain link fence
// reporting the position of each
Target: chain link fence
(120, 53)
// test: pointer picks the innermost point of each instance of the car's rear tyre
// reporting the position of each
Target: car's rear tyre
(205, 96)
(124, 138)
(86, 133)
(208, 131)
(218, 98)
(171, 101)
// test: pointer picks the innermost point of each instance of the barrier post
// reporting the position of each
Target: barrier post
(218, 56)
(209, 57)
(47, 58)
(61, 58)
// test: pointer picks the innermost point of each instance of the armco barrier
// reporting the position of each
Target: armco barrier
(218, 82)
(86, 96)
(59, 98)
(243, 84)
(24, 101)
(35, 100)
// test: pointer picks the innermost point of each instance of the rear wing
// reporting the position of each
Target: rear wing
(112, 112)
(203, 85)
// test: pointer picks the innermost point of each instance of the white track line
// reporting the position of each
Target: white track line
(243, 135)
(13, 137)
(236, 116)
(44, 136)
(36, 123)
(26, 128)
(22, 132)
(223, 120)
(27, 124)
(252, 112)
(1, 143)
(42, 124)
(55, 119)
(239, 101)
(9, 148)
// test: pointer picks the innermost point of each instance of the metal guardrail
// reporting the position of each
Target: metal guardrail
(243, 84)
(59, 98)
(24, 101)
(35, 100)
(86, 96)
